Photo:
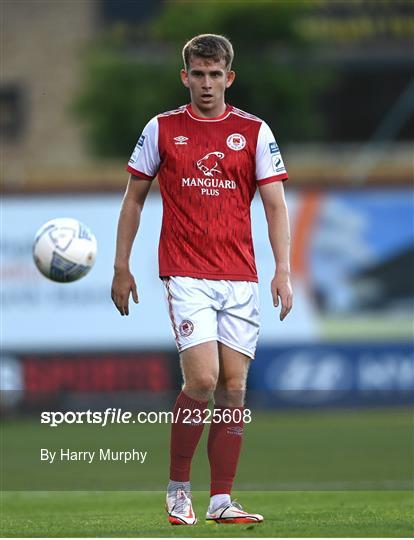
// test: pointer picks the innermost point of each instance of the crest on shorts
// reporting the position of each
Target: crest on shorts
(236, 141)
(186, 328)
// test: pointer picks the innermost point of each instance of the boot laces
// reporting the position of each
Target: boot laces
(182, 501)
(236, 504)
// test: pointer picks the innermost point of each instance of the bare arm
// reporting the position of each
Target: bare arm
(273, 198)
(123, 283)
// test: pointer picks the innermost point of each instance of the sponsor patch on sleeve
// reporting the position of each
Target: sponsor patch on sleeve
(137, 149)
(273, 147)
(277, 164)
(141, 140)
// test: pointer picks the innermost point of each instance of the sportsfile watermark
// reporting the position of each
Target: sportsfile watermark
(113, 415)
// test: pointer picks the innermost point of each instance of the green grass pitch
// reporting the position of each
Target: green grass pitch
(140, 514)
(330, 473)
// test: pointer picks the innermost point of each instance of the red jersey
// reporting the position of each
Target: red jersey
(208, 170)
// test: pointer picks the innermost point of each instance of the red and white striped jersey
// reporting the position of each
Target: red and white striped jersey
(208, 170)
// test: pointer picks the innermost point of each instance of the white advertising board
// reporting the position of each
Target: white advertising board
(38, 314)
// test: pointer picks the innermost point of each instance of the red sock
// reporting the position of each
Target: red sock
(224, 445)
(185, 436)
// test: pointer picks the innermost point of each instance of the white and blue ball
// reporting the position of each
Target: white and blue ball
(64, 250)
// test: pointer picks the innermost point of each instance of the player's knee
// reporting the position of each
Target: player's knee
(230, 392)
(233, 384)
(203, 383)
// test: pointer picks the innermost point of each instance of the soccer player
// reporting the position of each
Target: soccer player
(209, 158)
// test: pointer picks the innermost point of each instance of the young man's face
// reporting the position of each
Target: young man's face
(207, 81)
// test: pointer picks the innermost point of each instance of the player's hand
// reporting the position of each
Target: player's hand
(123, 284)
(281, 288)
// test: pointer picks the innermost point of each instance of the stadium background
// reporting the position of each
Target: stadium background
(332, 387)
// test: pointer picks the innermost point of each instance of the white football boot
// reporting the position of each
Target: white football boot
(180, 509)
(232, 513)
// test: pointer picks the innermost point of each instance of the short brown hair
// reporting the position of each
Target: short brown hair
(210, 46)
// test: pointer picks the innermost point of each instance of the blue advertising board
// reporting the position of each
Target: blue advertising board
(329, 374)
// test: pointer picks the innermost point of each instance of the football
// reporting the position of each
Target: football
(64, 250)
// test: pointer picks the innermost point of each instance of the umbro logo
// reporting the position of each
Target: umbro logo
(180, 139)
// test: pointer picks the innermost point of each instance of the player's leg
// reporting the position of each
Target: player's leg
(200, 370)
(200, 367)
(225, 438)
(234, 365)
(194, 323)
(238, 325)
(226, 430)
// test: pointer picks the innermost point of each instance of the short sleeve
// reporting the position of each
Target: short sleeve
(145, 159)
(269, 162)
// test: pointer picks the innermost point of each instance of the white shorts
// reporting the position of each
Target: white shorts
(213, 310)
